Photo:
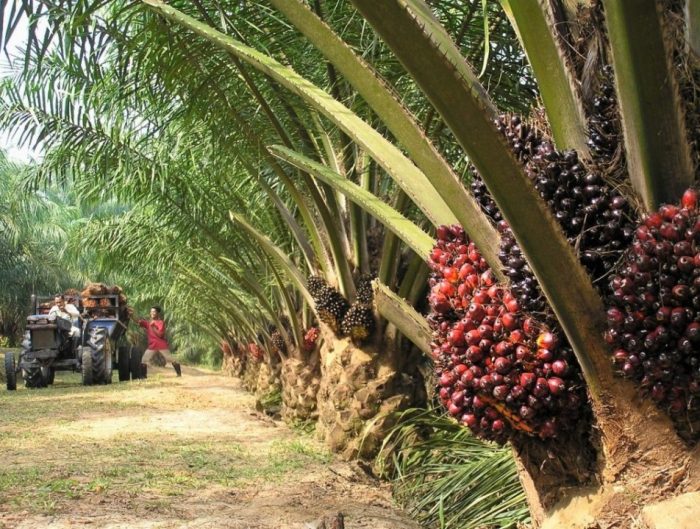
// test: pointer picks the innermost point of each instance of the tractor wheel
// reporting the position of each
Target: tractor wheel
(101, 356)
(32, 374)
(135, 364)
(87, 371)
(10, 371)
(48, 374)
(123, 361)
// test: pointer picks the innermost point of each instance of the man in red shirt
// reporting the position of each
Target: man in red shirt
(157, 343)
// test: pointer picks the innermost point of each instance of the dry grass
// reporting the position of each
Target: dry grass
(169, 453)
(71, 442)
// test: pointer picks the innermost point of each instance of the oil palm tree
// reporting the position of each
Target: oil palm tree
(34, 228)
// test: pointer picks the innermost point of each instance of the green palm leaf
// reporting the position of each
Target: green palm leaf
(658, 155)
(412, 180)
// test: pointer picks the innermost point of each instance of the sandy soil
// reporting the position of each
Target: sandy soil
(152, 420)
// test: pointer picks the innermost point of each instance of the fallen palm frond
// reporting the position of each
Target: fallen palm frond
(445, 477)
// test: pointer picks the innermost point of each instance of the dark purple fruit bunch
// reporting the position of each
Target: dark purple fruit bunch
(523, 284)
(654, 310)
(278, 341)
(604, 121)
(315, 285)
(365, 294)
(358, 322)
(594, 217)
(331, 306)
(499, 372)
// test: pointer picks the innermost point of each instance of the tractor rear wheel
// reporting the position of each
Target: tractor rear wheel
(101, 356)
(123, 362)
(86, 369)
(135, 364)
(10, 371)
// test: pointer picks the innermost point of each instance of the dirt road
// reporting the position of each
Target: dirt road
(171, 452)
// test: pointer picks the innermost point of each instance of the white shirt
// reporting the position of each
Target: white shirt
(69, 312)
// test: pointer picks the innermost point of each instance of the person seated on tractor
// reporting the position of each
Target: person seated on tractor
(67, 311)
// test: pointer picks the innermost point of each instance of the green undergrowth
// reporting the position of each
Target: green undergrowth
(305, 427)
(271, 399)
(447, 478)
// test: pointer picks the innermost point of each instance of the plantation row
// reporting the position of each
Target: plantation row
(365, 222)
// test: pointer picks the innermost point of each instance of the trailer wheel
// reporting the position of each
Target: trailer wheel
(10, 371)
(135, 364)
(86, 367)
(123, 363)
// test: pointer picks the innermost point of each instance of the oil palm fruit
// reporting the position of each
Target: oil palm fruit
(358, 322)
(500, 372)
(365, 294)
(255, 352)
(594, 216)
(604, 122)
(310, 339)
(654, 310)
(278, 341)
(331, 307)
(315, 285)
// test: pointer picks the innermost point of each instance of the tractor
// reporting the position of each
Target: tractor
(49, 347)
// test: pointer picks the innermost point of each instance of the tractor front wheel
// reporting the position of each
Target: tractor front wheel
(10, 371)
(32, 373)
(33, 377)
(48, 374)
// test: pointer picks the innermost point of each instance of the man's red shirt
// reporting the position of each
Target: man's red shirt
(155, 331)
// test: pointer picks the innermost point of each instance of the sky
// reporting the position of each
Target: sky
(9, 144)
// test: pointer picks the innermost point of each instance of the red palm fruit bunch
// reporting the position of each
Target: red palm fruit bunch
(310, 338)
(225, 347)
(654, 310)
(255, 352)
(499, 372)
